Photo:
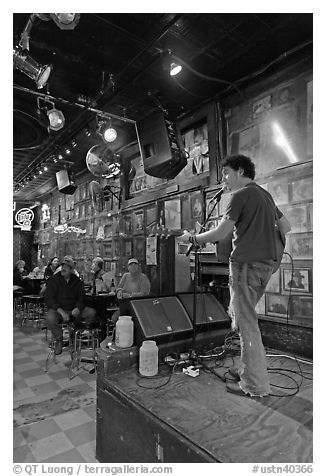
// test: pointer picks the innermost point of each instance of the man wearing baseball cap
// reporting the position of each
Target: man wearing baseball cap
(64, 297)
(132, 284)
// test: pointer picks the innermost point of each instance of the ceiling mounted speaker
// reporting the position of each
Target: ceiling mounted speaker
(161, 145)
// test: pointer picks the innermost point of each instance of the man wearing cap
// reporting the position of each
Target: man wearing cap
(132, 284)
(64, 297)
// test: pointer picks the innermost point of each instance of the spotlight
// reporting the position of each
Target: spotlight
(74, 143)
(45, 168)
(56, 119)
(55, 160)
(34, 176)
(60, 156)
(67, 150)
(105, 129)
(40, 172)
(26, 64)
(65, 21)
(88, 133)
(175, 69)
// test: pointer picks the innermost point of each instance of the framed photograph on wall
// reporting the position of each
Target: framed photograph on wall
(172, 214)
(197, 205)
(301, 307)
(297, 281)
(276, 305)
(273, 285)
(139, 248)
(301, 246)
(151, 219)
(298, 218)
(128, 249)
(302, 189)
(138, 219)
(128, 224)
(279, 191)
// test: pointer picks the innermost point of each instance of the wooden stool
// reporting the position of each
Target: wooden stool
(86, 336)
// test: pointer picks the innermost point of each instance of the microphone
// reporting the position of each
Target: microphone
(218, 194)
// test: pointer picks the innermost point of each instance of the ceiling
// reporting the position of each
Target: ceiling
(128, 46)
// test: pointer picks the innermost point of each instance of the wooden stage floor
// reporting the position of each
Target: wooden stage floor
(228, 427)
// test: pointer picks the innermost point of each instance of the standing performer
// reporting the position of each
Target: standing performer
(251, 217)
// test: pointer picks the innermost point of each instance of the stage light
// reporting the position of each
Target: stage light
(34, 176)
(65, 21)
(175, 69)
(40, 172)
(60, 156)
(88, 133)
(55, 160)
(281, 140)
(67, 150)
(74, 143)
(27, 65)
(105, 129)
(45, 168)
(56, 119)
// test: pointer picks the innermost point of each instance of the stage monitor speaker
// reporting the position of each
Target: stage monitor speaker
(65, 183)
(161, 144)
(162, 319)
(209, 311)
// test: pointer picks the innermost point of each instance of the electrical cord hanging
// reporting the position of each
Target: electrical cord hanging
(156, 377)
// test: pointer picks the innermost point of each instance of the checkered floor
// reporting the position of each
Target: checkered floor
(68, 437)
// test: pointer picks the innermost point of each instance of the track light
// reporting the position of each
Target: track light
(175, 69)
(45, 168)
(56, 119)
(27, 65)
(67, 150)
(60, 156)
(40, 172)
(74, 143)
(88, 133)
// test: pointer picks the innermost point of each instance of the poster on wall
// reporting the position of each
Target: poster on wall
(276, 305)
(138, 222)
(309, 119)
(196, 146)
(296, 280)
(279, 191)
(151, 220)
(172, 214)
(302, 189)
(151, 250)
(301, 246)
(298, 218)
(301, 307)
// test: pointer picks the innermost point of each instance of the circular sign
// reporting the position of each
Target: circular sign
(24, 218)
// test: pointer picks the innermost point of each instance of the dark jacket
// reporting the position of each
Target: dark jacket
(59, 293)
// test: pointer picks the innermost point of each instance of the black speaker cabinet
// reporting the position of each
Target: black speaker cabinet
(209, 312)
(162, 319)
(161, 147)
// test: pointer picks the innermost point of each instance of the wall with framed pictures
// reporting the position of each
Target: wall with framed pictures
(274, 127)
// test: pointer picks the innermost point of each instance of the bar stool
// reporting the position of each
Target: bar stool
(18, 308)
(68, 336)
(33, 309)
(86, 337)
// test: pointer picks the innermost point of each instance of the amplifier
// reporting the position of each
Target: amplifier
(209, 311)
(163, 319)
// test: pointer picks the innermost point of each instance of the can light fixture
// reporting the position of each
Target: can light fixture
(24, 62)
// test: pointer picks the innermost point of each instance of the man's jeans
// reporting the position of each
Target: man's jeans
(54, 320)
(247, 284)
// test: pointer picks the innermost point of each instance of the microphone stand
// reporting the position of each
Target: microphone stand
(195, 248)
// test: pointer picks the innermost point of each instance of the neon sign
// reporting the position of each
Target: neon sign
(24, 218)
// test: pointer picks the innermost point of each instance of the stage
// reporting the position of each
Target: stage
(197, 420)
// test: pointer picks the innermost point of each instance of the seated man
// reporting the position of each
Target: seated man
(132, 284)
(64, 297)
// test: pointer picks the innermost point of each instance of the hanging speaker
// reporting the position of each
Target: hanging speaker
(162, 319)
(161, 144)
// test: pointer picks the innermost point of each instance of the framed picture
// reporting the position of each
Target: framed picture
(298, 218)
(301, 307)
(107, 249)
(139, 248)
(310, 216)
(279, 191)
(276, 305)
(151, 219)
(273, 285)
(261, 306)
(302, 190)
(128, 224)
(128, 248)
(138, 222)
(301, 246)
(172, 214)
(211, 208)
(197, 208)
(297, 281)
